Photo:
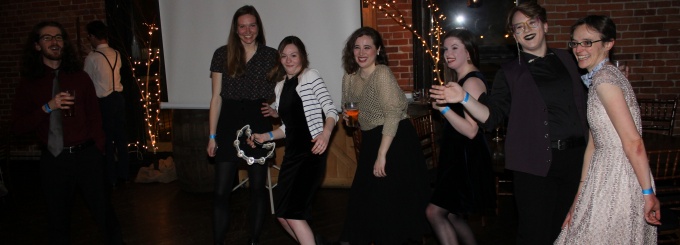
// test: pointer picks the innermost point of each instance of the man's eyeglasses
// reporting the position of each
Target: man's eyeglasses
(521, 27)
(584, 44)
(48, 38)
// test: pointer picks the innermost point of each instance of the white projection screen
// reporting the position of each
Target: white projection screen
(192, 30)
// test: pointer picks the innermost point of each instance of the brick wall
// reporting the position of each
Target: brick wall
(18, 18)
(648, 39)
(399, 44)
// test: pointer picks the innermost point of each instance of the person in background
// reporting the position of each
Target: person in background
(615, 201)
(73, 145)
(464, 176)
(389, 193)
(544, 100)
(103, 65)
(239, 88)
(308, 117)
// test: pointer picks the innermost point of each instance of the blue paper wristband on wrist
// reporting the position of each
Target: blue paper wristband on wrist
(648, 191)
(467, 97)
(445, 110)
(47, 108)
(271, 135)
(212, 136)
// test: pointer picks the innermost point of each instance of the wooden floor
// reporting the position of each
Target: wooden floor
(160, 213)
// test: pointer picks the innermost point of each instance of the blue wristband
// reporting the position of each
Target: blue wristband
(467, 97)
(271, 135)
(648, 191)
(47, 108)
(212, 136)
(445, 110)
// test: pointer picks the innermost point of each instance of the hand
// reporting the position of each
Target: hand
(268, 111)
(212, 148)
(61, 100)
(652, 210)
(321, 143)
(451, 93)
(379, 167)
(257, 139)
(567, 220)
(345, 117)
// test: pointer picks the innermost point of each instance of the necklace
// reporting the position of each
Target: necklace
(532, 60)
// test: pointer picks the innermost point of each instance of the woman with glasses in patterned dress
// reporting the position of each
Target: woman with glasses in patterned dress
(541, 95)
(616, 201)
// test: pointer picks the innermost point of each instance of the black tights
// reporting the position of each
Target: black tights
(450, 228)
(225, 174)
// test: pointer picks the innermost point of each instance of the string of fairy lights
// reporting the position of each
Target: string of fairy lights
(150, 100)
(435, 33)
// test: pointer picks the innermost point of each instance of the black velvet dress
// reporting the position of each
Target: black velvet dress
(464, 175)
(301, 171)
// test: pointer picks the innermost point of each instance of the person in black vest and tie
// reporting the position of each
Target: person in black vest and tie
(103, 65)
(69, 128)
(542, 96)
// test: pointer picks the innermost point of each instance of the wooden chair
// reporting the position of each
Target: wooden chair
(269, 186)
(666, 171)
(425, 130)
(356, 139)
(658, 115)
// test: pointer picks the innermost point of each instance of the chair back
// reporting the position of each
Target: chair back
(356, 139)
(664, 167)
(425, 130)
(658, 115)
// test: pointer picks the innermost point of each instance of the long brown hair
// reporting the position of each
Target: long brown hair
(236, 60)
(32, 65)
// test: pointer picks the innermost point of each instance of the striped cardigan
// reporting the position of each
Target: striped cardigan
(315, 98)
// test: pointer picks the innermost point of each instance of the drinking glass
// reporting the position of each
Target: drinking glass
(352, 111)
(71, 111)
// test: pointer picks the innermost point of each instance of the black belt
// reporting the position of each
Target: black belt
(78, 147)
(567, 143)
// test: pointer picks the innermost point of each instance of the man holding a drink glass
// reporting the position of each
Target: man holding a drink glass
(73, 142)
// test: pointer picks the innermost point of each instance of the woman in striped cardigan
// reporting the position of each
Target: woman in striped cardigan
(308, 117)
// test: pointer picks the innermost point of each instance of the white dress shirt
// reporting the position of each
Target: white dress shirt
(100, 70)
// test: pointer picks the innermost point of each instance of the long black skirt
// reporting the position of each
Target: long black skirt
(388, 210)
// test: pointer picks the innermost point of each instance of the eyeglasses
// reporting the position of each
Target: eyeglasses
(48, 38)
(521, 27)
(584, 44)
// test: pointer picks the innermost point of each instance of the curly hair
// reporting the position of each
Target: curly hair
(32, 65)
(348, 63)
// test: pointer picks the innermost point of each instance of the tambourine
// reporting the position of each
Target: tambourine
(250, 160)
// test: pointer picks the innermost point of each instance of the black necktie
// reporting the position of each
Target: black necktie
(55, 137)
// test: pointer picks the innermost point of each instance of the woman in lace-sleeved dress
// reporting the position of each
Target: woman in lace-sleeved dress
(615, 203)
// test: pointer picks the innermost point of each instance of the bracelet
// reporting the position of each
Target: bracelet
(467, 97)
(446, 109)
(212, 136)
(271, 135)
(648, 191)
(47, 108)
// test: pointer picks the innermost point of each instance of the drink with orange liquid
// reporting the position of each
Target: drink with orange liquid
(352, 111)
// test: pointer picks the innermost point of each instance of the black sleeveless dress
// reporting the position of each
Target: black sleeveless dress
(464, 175)
(301, 171)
